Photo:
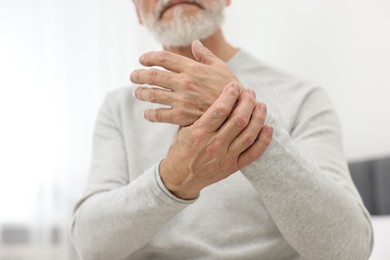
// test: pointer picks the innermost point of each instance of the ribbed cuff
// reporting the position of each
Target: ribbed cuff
(163, 191)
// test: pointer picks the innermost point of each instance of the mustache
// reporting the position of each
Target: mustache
(163, 5)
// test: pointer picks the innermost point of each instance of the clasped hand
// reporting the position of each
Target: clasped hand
(229, 136)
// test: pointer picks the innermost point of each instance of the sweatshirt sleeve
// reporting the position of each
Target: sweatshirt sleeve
(304, 182)
(116, 217)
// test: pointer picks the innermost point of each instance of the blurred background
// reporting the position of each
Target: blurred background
(59, 58)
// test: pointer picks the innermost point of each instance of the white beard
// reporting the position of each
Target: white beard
(182, 30)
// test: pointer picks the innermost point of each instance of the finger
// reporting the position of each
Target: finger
(220, 110)
(254, 152)
(169, 115)
(155, 95)
(249, 135)
(239, 118)
(202, 54)
(168, 60)
(164, 79)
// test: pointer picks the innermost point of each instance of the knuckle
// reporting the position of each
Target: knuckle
(252, 101)
(140, 93)
(185, 102)
(163, 56)
(253, 156)
(154, 115)
(249, 138)
(233, 90)
(150, 115)
(187, 83)
(195, 67)
(151, 95)
(196, 135)
(157, 115)
(168, 98)
(214, 148)
(249, 97)
(221, 111)
(253, 94)
(262, 117)
(263, 113)
(266, 140)
(151, 76)
(240, 120)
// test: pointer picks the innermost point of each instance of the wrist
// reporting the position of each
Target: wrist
(176, 185)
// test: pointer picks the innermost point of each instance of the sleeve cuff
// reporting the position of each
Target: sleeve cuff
(161, 190)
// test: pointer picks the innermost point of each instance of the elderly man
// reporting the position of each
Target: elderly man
(229, 175)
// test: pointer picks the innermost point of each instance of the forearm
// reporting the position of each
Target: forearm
(112, 224)
(315, 208)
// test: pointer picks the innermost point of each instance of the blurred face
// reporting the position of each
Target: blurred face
(179, 22)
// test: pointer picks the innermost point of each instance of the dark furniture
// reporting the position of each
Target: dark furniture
(372, 179)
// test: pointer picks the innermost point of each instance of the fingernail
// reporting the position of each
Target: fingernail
(199, 42)
(141, 59)
(253, 93)
(135, 93)
(234, 85)
(269, 130)
(262, 106)
(146, 114)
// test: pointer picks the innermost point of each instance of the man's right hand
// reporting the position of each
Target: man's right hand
(229, 136)
(188, 87)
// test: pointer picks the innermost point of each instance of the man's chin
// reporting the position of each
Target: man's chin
(181, 40)
(173, 43)
(183, 28)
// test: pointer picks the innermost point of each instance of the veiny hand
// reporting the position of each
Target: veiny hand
(229, 136)
(188, 87)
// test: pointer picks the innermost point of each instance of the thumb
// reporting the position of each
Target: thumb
(202, 54)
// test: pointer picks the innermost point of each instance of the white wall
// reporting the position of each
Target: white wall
(344, 45)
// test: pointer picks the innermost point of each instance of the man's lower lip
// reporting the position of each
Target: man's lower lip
(183, 3)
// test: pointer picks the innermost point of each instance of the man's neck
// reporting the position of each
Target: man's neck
(216, 43)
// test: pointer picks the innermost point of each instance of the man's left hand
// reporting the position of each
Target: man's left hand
(187, 86)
